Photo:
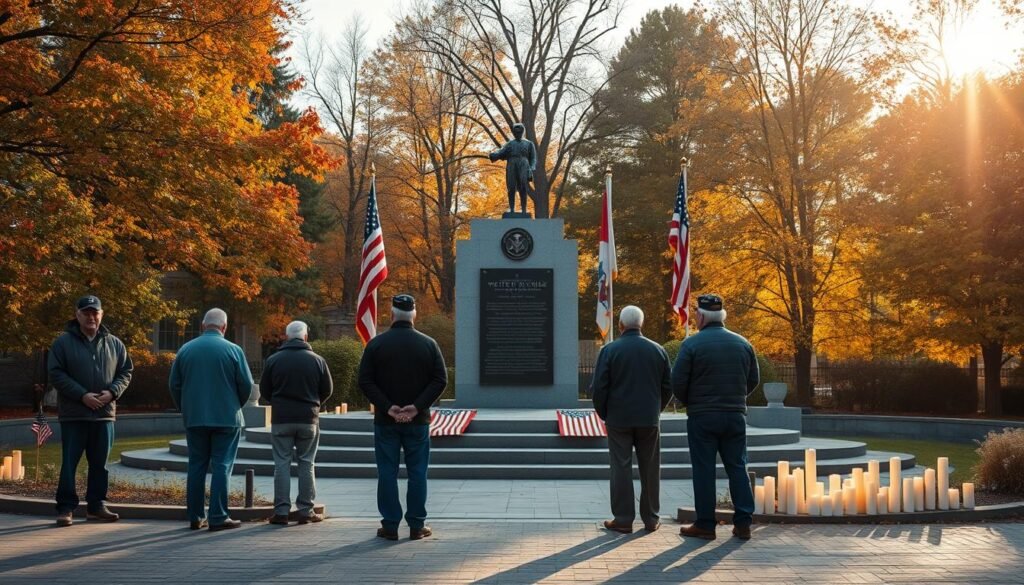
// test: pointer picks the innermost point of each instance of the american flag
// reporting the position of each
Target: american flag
(679, 241)
(447, 422)
(580, 423)
(606, 265)
(372, 271)
(41, 428)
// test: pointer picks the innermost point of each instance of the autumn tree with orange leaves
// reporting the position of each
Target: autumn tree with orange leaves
(130, 146)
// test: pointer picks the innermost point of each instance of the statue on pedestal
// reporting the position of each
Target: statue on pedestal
(521, 157)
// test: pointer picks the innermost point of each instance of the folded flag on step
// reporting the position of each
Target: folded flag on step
(447, 422)
(580, 423)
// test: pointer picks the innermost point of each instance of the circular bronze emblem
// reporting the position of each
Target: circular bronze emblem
(517, 244)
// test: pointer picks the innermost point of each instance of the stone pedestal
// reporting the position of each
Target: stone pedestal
(255, 415)
(505, 262)
(775, 415)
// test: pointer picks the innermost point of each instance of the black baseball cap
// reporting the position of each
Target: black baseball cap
(403, 302)
(89, 302)
(709, 302)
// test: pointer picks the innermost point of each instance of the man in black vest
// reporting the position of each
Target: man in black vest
(631, 387)
(715, 371)
(402, 373)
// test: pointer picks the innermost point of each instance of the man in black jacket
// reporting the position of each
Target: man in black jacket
(402, 373)
(295, 381)
(90, 369)
(631, 387)
(715, 371)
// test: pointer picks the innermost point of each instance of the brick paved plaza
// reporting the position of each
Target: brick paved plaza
(507, 551)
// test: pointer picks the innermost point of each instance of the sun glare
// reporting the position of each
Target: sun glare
(982, 45)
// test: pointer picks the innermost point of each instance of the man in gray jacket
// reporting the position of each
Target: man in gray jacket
(630, 389)
(715, 371)
(90, 369)
(295, 382)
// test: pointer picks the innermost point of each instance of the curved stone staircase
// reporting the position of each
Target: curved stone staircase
(518, 444)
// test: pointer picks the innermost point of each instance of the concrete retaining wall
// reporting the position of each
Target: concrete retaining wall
(956, 430)
(19, 432)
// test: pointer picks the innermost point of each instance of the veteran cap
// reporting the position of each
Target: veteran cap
(709, 302)
(89, 302)
(403, 302)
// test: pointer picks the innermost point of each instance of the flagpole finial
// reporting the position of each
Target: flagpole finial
(608, 170)
(684, 163)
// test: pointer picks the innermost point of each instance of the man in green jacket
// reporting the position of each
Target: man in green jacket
(210, 381)
(90, 369)
(714, 372)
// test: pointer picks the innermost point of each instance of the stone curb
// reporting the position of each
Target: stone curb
(994, 512)
(38, 507)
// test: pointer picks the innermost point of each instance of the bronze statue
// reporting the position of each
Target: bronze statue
(522, 161)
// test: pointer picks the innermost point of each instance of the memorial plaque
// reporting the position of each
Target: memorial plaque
(516, 327)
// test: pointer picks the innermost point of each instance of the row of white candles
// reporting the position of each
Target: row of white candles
(800, 492)
(343, 409)
(11, 469)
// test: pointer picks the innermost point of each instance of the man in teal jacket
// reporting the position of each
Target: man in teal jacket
(210, 381)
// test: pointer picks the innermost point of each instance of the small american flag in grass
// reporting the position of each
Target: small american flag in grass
(580, 423)
(447, 422)
(41, 428)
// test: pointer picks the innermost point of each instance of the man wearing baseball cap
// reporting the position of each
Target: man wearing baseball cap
(90, 369)
(714, 372)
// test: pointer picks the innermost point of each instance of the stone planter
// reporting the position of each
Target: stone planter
(775, 393)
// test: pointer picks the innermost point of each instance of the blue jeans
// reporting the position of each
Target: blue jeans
(210, 449)
(94, 439)
(725, 434)
(389, 441)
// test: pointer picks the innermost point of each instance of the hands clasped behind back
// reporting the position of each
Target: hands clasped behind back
(403, 414)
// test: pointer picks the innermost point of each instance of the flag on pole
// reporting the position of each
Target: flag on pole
(607, 268)
(41, 428)
(372, 270)
(679, 241)
(580, 423)
(447, 422)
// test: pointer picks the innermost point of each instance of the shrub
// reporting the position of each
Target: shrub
(149, 388)
(342, 356)
(1013, 399)
(886, 387)
(1000, 465)
(442, 328)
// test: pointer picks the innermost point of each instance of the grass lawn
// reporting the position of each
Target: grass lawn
(49, 454)
(962, 456)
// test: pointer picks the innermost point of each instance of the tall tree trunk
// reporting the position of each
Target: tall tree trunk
(802, 362)
(992, 353)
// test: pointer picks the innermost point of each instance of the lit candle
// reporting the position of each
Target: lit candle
(929, 489)
(883, 500)
(8, 467)
(3, 471)
(859, 485)
(819, 488)
(942, 485)
(871, 499)
(814, 505)
(810, 471)
(801, 495)
(894, 484)
(337, 410)
(16, 460)
(791, 504)
(783, 469)
(850, 501)
(968, 496)
(873, 475)
(919, 494)
(371, 408)
(21, 473)
(759, 499)
(826, 506)
(908, 494)
(954, 498)
(769, 495)
(835, 483)
(837, 502)
(344, 408)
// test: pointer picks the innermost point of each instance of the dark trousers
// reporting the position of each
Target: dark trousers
(94, 439)
(725, 434)
(210, 449)
(621, 443)
(389, 442)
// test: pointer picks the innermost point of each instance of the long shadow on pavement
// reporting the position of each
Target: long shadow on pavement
(693, 567)
(542, 568)
(115, 541)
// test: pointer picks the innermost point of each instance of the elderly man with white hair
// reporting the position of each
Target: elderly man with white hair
(295, 381)
(209, 382)
(630, 389)
(714, 372)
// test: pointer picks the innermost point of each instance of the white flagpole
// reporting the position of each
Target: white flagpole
(611, 256)
(684, 164)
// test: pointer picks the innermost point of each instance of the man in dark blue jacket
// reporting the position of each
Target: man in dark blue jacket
(714, 372)
(631, 387)
(402, 373)
(295, 381)
(90, 369)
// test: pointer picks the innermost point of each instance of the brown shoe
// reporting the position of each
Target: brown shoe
(198, 524)
(313, 517)
(102, 515)
(64, 519)
(225, 525)
(421, 533)
(742, 532)
(611, 525)
(692, 530)
(388, 534)
(279, 519)
(652, 527)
